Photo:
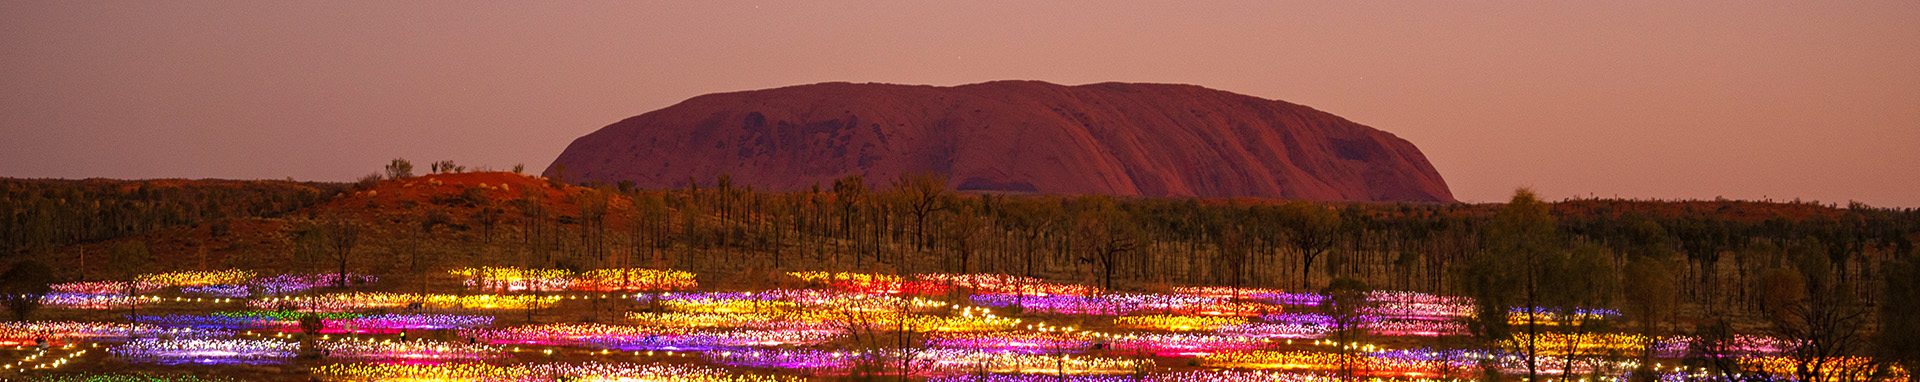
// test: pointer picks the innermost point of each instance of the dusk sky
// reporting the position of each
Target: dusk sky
(1816, 100)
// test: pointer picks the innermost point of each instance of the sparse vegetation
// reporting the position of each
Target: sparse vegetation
(399, 168)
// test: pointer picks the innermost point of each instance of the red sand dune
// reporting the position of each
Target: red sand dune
(1011, 136)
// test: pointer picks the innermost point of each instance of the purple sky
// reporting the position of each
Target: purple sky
(1659, 99)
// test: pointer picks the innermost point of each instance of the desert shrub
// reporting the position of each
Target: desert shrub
(399, 168)
(367, 182)
(220, 228)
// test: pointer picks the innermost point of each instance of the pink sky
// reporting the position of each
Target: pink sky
(1658, 99)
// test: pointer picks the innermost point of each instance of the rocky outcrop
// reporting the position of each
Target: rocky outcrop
(1157, 140)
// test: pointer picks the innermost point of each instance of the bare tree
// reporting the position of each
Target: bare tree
(922, 195)
(342, 235)
(1312, 229)
(1813, 310)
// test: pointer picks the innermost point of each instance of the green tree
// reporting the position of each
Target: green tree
(127, 261)
(1651, 298)
(1899, 315)
(1584, 281)
(1817, 311)
(22, 286)
(1525, 237)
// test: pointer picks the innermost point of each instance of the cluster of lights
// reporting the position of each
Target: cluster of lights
(515, 278)
(1542, 316)
(560, 334)
(421, 350)
(1834, 369)
(706, 320)
(631, 372)
(634, 279)
(728, 303)
(337, 302)
(870, 283)
(864, 302)
(1738, 345)
(103, 287)
(391, 322)
(767, 321)
(345, 302)
(195, 278)
(1315, 325)
(980, 280)
(206, 321)
(1288, 330)
(1243, 309)
(491, 301)
(1179, 323)
(1230, 292)
(1359, 363)
(46, 359)
(287, 315)
(1127, 303)
(1020, 341)
(130, 377)
(1582, 343)
(24, 333)
(1414, 305)
(174, 351)
(709, 340)
(295, 283)
(89, 300)
(1040, 290)
(819, 277)
(924, 361)
(1396, 304)
(894, 288)
(1184, 376)
(969, 320)
(960, 323)
(114, 300)
(591, 372)
(1181, 344)
(1416, 328)
(1316, 319)
(777, 301)
(647, 338)
(218, 290)
(1009, 285)
(421, 372)
(736, 328)
(332, 322)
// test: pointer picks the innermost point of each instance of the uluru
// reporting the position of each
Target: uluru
(1127, 139)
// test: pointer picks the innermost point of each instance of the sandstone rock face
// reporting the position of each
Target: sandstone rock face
(1155, 140)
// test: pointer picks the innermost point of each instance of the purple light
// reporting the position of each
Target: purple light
(206, 351)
